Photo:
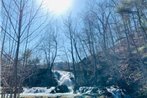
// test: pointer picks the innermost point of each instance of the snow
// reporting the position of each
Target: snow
(70, 95)
(38, 90)
(44, 91)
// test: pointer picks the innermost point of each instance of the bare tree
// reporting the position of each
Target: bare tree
(19, 19)
(70, 29)
(49, 46)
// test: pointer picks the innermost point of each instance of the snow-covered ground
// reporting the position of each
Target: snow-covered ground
(40, 91)
(44, 92)
(67, 95)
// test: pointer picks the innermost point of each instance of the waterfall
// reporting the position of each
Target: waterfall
(116, 93)
(65, 78)
(65, 86)
(65, 81)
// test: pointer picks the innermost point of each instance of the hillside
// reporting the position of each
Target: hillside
(126, 70)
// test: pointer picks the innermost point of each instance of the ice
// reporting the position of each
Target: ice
(38, 90)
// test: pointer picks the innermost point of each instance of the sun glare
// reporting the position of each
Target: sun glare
(57, 7)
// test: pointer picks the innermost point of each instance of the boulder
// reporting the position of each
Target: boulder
(61, 89)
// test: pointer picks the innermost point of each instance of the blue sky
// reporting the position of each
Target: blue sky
(77, 5)
(78, 8)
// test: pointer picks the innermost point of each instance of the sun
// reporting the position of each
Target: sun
(57, 7)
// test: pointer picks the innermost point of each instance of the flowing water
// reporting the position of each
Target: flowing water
(63, 78)
(67, 78)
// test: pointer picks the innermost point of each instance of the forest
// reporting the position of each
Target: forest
(103, 46)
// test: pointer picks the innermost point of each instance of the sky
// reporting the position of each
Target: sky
(76, 10)
(62, 7)
(78, 6)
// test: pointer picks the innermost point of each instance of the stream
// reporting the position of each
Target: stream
(66, 86)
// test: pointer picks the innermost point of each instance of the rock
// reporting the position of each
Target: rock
(42, 78)
(89, 91)
(106, 93)
(57, 75)
(53, 91)
(61, 89)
